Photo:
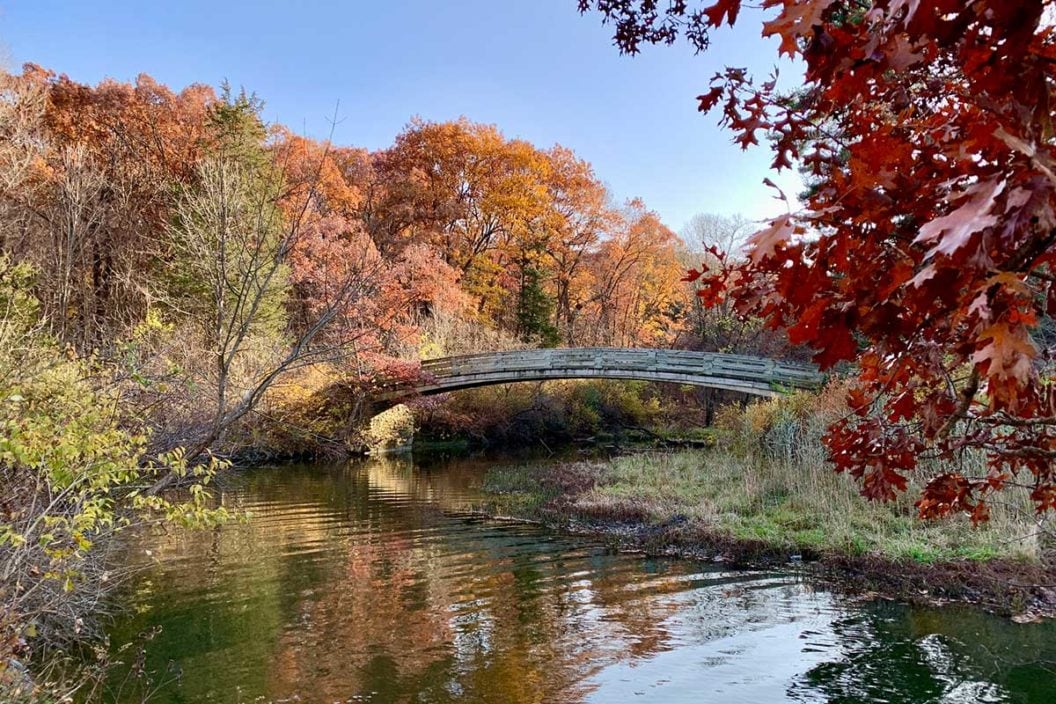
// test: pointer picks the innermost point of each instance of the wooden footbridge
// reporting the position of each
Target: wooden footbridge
(751, 375)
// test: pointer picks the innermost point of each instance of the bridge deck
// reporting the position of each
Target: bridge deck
(753, 375)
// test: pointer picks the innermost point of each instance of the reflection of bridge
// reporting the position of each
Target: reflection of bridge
(750, 375)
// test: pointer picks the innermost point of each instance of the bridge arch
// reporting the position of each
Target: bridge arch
(758, 376)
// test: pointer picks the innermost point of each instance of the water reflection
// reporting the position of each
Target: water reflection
(365, 583)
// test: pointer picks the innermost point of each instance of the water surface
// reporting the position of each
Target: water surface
(367, 582)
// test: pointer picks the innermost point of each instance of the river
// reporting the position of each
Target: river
(368, 582)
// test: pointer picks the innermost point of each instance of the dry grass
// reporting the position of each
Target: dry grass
(768, 483)
(796, 507)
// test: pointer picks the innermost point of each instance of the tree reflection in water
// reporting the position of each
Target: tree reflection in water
(365, 581)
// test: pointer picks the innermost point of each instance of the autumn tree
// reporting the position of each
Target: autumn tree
(924, 252)
(22, 106)
(637, 299)
(104, 161)
(585, 217)
(443, 181)
(229, 251)
(466, 190)
(260, 233)
(525, 231)
(72, 463)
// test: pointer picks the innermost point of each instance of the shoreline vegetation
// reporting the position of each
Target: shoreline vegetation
(765, 495)
(183, 285)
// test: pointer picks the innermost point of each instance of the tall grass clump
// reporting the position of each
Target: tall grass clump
(768, 480)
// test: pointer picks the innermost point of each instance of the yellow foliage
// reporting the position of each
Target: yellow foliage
(391, 429)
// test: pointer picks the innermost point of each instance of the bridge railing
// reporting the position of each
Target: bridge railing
(676, 362)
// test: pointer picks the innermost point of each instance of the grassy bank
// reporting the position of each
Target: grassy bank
(715, 505)
(776, 507)
(765, 493)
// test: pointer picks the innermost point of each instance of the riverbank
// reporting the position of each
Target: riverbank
(717, 505)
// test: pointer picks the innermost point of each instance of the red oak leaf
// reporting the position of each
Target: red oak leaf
(1008, 355)
(723, 8)
(954, 230)
(764, 242)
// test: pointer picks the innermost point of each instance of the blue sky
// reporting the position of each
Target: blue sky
(535, 68)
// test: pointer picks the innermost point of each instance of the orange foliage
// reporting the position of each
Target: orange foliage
(453, 218)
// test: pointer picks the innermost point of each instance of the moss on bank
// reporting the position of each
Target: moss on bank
(719, 504)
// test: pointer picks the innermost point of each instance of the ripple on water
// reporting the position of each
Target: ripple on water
(366, 583)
